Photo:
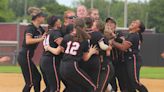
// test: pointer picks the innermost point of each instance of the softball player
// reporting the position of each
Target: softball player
(81, 11)
(69, 17)
(94, 63)
(117, 58)
(131, 46)
(76, 49)
(50, 67)
(94, 13)
(32, 36)
(105, 70)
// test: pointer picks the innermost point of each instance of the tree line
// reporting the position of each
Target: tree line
(150, 12)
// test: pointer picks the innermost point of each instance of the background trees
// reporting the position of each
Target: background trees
(151, 13)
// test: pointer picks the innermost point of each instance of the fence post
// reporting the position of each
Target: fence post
(18, 40)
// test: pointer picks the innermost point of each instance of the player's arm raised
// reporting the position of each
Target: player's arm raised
(122, 46)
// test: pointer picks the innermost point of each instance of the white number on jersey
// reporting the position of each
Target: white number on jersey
(72, 48)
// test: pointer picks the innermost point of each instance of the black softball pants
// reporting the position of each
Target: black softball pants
(75, 79)
(120, 75)
(133, 64)
(30, 72)
(103, 78)
(50, 69)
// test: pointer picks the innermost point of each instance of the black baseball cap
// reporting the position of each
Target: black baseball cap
(111, 19)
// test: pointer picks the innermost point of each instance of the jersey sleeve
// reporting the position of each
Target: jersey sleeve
(98, 36)
(30, 31)
(56, 35)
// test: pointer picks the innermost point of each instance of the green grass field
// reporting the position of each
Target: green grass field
(146, 72)
(152, 72)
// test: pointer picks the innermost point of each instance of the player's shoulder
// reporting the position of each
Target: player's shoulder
(67, 37)
(30, 28)
(54, 32)
(41, 29)
(133, 36)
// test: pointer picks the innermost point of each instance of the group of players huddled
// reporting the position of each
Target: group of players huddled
(84, 52)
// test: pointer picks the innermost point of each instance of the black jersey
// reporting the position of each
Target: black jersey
(50, 39)
(95, 38)
(116, 54)
(73, 50)
(135, 41)
(35, 33)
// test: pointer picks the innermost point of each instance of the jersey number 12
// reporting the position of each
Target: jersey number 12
(72, 48)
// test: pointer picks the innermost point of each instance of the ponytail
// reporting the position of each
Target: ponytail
(80, 32)
(81, 35)
(141, 37)
(142, 29)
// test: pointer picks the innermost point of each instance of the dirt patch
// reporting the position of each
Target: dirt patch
(11, 82)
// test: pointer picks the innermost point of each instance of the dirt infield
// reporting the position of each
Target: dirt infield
(14, 83)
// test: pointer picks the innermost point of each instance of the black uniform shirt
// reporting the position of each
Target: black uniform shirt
(51, 37)
(116, 54)
(134, 39)
(73, 50)
(35, 33)
(95, 38)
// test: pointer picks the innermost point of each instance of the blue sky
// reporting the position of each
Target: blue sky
(69, 2)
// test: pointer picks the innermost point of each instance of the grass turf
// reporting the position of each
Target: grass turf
(146, 72)
(152, 72)
(10, 69)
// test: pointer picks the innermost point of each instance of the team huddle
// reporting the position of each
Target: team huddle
(85, 53)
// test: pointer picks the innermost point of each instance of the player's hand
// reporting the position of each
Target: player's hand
(46, 47)
(93, 49)
(162, 55)
(58, 40)
(44, 35)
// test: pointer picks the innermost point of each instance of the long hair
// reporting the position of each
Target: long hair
(81, 35)
(142, 29)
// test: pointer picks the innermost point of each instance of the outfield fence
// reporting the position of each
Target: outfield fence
(11, 38)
